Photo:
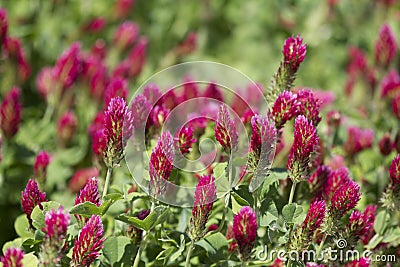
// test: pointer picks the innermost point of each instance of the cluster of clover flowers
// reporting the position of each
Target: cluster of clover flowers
(335, 192)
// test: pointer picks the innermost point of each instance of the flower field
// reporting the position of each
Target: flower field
(199, 133)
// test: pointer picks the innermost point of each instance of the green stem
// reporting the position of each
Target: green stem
(292, 192)
(256, 205)
(189, 254)
(221, 225)
(243, 264)
(320, 246)
(107, 182)
(139, 253)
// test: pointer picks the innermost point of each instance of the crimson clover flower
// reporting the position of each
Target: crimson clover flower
(184, 140)
(161, 164)
(42, 161)
(308, 106)
(230, 235)
(204, 196)
(225, 130)
(45, 82)
(245, 231)
(344, 199)
(140, 111)
(390, 85)
(318, 180)
(294, 52)
(14, 51)
(98, 83)
(360, 225)
(394, 170)
(117, 87)
(32, 197)
(385, 47)
(304, 144)
(213, 92)
(90, 193)
(336, 179)
(385, 144)
(89, 243)
(56, 226)
(3, 24)
(66, 126)
(303, 234)
(396, 106)
(137, 57)
(12, 257)
(68, 66)
(10, 113)
(118, 128)
(358, 140)
(126, 34)
(284, 108)
(81, 177)
(152, 93)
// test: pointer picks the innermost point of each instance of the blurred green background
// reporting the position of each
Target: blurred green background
(247, 35)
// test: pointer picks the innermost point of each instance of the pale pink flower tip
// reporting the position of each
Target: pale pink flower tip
(245, 231)
(13, 257)
(294, 52)
(225, 130)
(89, 243)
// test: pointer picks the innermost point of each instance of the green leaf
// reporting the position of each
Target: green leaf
(30, 242)
(213, 243)
(88, 209)
(21, 226)
(392, 234)
(375, 240)
(114, 196)
(114, 248)
(136, 195)
(30, 260)
(179, 252)
(38, 215)
(381, 222)
(158, 216)
(238, 202)
(291, 211)
(16, 243)
(269, 212)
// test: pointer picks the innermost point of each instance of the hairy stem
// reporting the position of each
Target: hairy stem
(107, 182)
(292, 193)
(189, 254)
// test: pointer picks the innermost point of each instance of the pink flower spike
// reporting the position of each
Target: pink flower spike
(13, 257)
(89, 243)
(204, 196)
(314, 218)
(318, 179)
(385, 47)
(68, 66)
(304, 145)
(123, 8)
(390, 85)
(98, 84)
(344, 199)
(309, 106)
(40, 167)
(45, 82)
(212, 91)
(3, 25)
(285, 108)
(118, 128)
(90, 193)
(358, 140)
(126, 34)
(336, 179)
(161, 164)
(117, 87)
(225, 130)
(66, 126)
(394, 170)
(57, 222)
(152, 93)
(140, 111)
(81, 177)
(385, 144)
(10, 113)
(137, 57)
(396, 106)
(31, 197)
(294, 52)
(245, 231)
(95, 25)
(188, 45)
(184, 140)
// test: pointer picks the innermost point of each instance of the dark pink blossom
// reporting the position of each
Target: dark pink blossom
(117, 87)
(385, 47)
(10, 113)
(225, 130)
(362, 262)
(390, 84)
(14, 51)
(245, 231)
(66, 126)
(90, 193)
(56, 225)
(336, 179)
(158, 116)
(89, 243)
(161, 164)
(123, 8)
(95, 25)
(137, 57)
(318, 180)
(152, 93)
(385, 144)
(204, 196)
(98, 84)
(212, 91)
(396, 106)
(333, 119)
(126, 34)
(294, 52)
(99, 142)
(394, 170)
(99, 49)
(13, 257)
(344, 199)
(230, 235)
(3, 25)
(140, 111)
(68, 66)
(284, 108)
(81, 177)
(309, 106)
(304, 144)
(97, 123)
(369, 219)
(188, 45)
(357, 140)
(118, 128)
(360, 224)
(32, 197)
(42, 161)
(184, 140)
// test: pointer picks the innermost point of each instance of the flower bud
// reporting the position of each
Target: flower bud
(284, 108)
(66, 127)
(137, 57)
(117, 87)
(123, 8)
(309, 106)
(225, 130)
(188, 45)
(385, 145)
(32, 197)
(126, 34)
(3, 25)
(45, 82)
(90, 193)
(10, 113)
(95, 25)
(40, 167)
(140, 111)
(230, 235)
(68, 66)
(358, 140)
(294, 52)
(245, 231)
(336, 179)
(396, 106)
(385, 47)
(390, 85)
(213, 92)
(318, 179)
(81, 177)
